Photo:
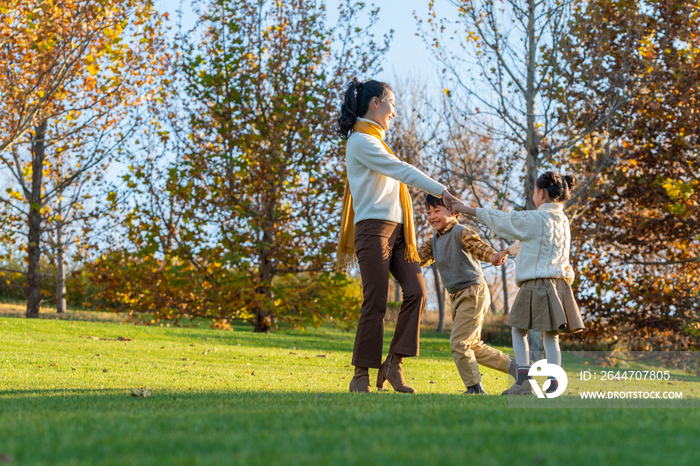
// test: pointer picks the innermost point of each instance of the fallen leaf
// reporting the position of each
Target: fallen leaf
(141, 393)
(6, 459)
(104, 370)
(92, 338)
(321, 356)
(292, 352)
(126, 339)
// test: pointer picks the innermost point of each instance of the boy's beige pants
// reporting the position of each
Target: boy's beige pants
(468, 309)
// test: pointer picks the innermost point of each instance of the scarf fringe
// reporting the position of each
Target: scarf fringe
(411, 254)
(347, 259)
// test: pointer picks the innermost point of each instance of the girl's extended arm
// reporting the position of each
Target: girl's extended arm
(462, 207)
(512, 225)
(508, 225)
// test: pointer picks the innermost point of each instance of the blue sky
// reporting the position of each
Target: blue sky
(407, 55)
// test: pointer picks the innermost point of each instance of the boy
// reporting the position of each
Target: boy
(457, 251)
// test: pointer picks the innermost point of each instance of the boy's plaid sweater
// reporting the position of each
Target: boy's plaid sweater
(470, 240)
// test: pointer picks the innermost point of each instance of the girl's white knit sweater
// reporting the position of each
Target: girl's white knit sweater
(545, 240)
(374, 176)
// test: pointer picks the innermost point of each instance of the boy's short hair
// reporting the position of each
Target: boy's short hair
(432, 201)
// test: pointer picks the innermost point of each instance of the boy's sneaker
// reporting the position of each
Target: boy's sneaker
(477, 389)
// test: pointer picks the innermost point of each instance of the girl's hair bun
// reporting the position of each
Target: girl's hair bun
(558, 187)
(570, 181)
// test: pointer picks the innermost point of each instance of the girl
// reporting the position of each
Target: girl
(377, 232)
(545, 301)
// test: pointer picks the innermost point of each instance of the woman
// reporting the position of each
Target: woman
(377, 231)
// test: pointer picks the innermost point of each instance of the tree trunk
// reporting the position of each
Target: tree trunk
(60, 271)
(532, 147)
(504, 281)
(493, 307)
(263, 317)
(532, 137)
(34, 222)
(440, 296)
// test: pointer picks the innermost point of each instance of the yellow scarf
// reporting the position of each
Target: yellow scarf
(346, 244)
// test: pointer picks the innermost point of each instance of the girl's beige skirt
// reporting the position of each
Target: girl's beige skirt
(545, 305)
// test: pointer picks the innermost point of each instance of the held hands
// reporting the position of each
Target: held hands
(499, 258)
(455, 205)
(462, 207)
(449, 200)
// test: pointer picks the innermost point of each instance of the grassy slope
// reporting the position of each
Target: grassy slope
(240, 398)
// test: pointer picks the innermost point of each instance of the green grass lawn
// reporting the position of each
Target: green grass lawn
(242, 398)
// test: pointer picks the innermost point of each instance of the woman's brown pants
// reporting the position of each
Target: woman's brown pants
(380, 247)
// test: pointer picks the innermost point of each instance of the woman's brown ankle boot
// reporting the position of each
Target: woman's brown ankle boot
(391, 371)
(360, 382)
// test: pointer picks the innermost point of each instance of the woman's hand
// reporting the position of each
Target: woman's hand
(449, 200)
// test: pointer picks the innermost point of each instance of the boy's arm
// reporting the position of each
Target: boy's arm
(501, 257)
(476, 246)
(425, 252)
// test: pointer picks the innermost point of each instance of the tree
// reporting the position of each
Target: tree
(69, 73)
(249, 189)
(636, 236)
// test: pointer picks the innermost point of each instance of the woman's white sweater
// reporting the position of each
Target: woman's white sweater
(545, 240)
(374, 176)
